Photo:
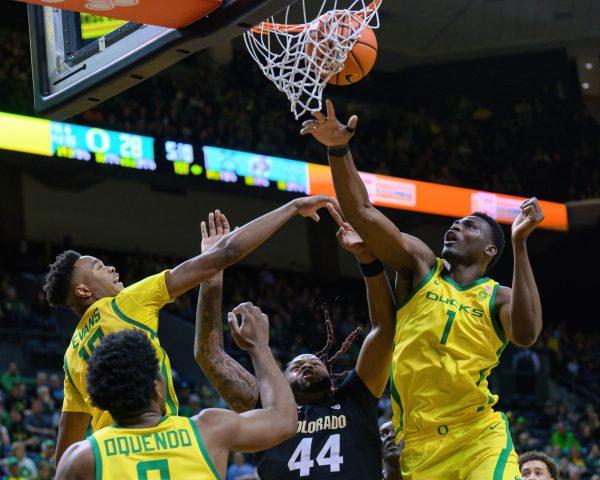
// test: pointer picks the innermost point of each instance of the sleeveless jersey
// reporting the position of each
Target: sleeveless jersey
(135, 307)
(172, 449)
(448, 339)
(340, 441)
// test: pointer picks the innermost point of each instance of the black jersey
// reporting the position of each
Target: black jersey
(339, 442)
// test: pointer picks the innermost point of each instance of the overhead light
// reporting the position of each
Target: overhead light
(585, 85)
(589, 65)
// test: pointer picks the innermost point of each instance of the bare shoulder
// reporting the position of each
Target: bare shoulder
(503, 296)
(214, 420)
(77, 462)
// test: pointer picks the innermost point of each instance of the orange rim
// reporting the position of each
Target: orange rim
(264, 28)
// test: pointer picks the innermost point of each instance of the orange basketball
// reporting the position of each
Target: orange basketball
(361, 58)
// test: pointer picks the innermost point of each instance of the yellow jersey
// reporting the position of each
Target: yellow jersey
(134, 307)
(448, 339)
(172, 449)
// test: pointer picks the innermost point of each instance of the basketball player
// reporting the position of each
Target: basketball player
(92, 290)
(451, 329)
(337, 435)
(124, 378)
(390, 452)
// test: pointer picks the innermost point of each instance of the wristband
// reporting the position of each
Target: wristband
(371, 269)
(340, 151)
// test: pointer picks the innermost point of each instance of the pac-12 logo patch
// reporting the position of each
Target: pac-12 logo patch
(482, 295)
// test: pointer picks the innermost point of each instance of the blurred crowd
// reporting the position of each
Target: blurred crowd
(566, 428)
(545, 145)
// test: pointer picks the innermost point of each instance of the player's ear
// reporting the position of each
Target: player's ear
(491, 250)
(82, 291)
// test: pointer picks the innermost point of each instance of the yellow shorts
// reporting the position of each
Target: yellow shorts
(481, 449)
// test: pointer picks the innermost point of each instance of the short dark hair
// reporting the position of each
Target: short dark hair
(121, 373)
(497, 236)
(542, 457)
(58, 278)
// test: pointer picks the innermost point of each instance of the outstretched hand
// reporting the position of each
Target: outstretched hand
(218, 227)
(328, 129)
(308, 206)
(253, 333)
(349, 239)
(530, 217)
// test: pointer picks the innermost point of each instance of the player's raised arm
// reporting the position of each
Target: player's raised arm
(521, 309)
(259, 429)
(239, 243)
(234, 383)
(375, 358)
(381, 236)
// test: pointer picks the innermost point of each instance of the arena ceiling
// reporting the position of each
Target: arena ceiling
(425, 31)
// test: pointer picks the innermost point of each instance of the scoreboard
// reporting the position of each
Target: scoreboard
(206, 164)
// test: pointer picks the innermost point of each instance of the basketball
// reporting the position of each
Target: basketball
(361, 58)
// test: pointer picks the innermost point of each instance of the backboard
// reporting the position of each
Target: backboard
(81, 59)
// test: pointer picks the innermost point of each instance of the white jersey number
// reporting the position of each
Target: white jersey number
(328, 456)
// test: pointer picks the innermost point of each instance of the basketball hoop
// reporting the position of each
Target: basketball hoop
(304, 47)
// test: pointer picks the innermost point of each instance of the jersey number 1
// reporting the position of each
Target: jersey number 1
(300, 459)
(451, 314)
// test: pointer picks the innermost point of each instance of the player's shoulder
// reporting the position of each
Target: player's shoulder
(78, 460)
(503, 296)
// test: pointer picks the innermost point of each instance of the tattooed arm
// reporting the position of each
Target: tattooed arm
(237, 386)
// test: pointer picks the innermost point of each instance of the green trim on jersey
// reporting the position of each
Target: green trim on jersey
(68, 372)
(97, 457)
(462, 288)
(125, 318)
(203, 451)
(420, 285)
(166, 373)
(494, 316)
(397, 399)
(504, 454)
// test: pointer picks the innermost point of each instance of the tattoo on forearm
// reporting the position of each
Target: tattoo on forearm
(235, 384)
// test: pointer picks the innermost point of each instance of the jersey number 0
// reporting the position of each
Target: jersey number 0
(329, 455)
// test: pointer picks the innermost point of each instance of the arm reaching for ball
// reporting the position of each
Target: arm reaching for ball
(381, 236)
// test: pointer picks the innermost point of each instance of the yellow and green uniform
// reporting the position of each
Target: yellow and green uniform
(448, 339)
(170, 450)
(134, 307)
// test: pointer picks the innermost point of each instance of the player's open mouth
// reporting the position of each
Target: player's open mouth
(450, 237)
(116, 279)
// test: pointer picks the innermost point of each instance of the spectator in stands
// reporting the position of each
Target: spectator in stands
(48, 451)
(564, 439)
(56, 389)
(240, 469)
(593, 459)
(45, 471)
(390, 452)
(37, 423)
(537, 466)
(16, 398)
(27, 466)
(10, 377)
(12, 465)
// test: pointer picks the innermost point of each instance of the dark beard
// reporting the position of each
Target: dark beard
(302, 388)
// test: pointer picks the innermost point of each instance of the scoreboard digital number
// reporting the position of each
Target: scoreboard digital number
(102, 146)
(182, 156)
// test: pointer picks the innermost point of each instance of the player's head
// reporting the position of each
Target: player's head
(311, 376)
(477, 238)
(75, 279)
(390, 451)
(308, 376)
(123, 376)
(537, 466)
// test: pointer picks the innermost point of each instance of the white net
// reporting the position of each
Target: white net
(301, 57)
